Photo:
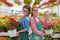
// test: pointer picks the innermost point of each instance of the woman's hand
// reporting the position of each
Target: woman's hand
(30, 31)
(45, 34)
(17, 34)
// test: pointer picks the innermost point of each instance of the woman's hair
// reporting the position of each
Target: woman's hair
(32, 10)
(27, 7)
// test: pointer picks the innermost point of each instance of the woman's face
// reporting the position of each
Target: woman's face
(25, 11)
(35, 11)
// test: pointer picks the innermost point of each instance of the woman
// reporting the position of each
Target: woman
(24, 24)
(36, 24)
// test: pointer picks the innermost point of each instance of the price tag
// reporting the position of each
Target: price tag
(12, 33)
(49, 31)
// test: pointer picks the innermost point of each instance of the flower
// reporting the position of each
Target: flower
(16, 23)
(9, 23)
(12, 27)
(12, 19)
(12, 24)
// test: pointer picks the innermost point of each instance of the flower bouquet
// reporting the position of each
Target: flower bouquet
(8, 23)
(12, 24)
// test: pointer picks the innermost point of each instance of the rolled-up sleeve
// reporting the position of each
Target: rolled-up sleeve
(33, 26)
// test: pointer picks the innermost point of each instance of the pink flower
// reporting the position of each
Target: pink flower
(12, 27)
(12, 19)
(16, 23)
(46, 24)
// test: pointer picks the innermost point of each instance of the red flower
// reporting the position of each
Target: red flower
(7, 3)
(16, 23)
(12, 19)
(12, 27)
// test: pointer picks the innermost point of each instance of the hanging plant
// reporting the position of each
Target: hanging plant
(51, 1)
(7, 3)
(51, 4)
(37, 1)
(45, 3)
(56, 3)
(17, 2)
(27, 2)
(44, 7)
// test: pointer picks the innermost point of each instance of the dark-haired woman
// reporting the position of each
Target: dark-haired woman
(36, 24)
(24, 24)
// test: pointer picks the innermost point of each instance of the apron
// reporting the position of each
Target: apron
(36, 36)
(23, 35)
